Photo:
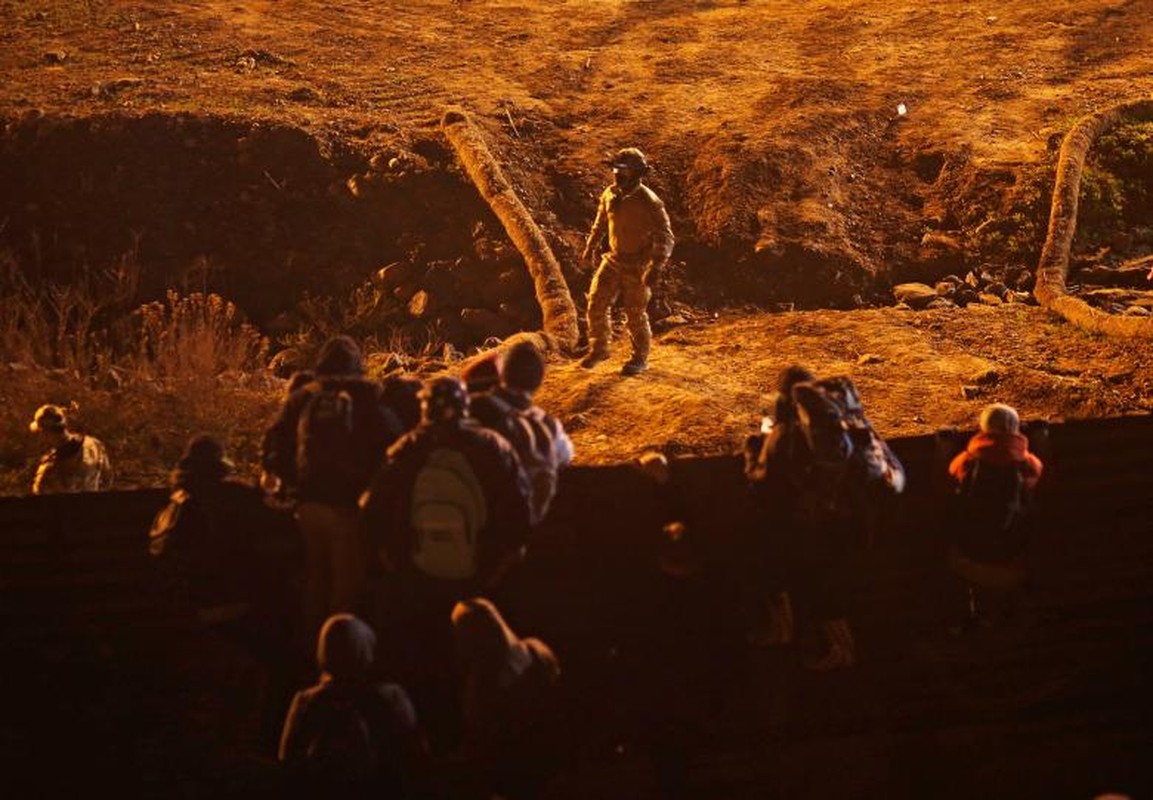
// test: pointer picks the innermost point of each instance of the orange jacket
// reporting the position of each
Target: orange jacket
(1000, 449)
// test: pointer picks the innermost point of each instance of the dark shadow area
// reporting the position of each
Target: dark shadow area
(111, 691)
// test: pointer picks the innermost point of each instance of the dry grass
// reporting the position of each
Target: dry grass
(143, 381)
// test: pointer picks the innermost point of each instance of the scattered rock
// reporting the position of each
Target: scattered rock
(990, 299)
(945, 288)
(420, 304)
(970, 392)
(986, 378)
(870, 358)
(395, 274)
(964, 295)
(55, 56)
(115, 87)
(266, 59)
(914, 295)
(940, 302)
(304, 94)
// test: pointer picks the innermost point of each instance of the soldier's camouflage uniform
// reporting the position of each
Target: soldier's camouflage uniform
(640, 238)
(79, 464)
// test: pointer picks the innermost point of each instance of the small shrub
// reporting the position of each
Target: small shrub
(193, 338)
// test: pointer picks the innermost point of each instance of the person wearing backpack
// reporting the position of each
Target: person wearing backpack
(448, 514)
(993, 478)
(538, 437)
(325, 445)
(348, 736)
(824, 473)
(451, 501)
(512, 728)
(228, 559)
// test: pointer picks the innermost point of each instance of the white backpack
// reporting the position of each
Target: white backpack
(448, 510)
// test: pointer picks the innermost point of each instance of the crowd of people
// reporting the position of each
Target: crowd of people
(387, 515)
(390, 514)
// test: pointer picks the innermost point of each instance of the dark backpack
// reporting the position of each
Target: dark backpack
(991, 505)
(324, 438)
(532, 435)
(341, 750)
(849, 462)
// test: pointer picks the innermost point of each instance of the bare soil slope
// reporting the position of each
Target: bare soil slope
(776, 141)
(917, 371)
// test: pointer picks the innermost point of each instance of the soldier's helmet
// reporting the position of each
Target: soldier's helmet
(443, 399)
(630, 158)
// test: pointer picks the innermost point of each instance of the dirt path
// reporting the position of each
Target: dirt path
(916, 371)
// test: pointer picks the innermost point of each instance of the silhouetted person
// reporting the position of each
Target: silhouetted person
(827, 470)
(401, 394)
(482, 373)
(640, 241)
(348, 736)
(451, 503)
(448, 514)
(76, 462)
(508, 701)
(539, 439)
(234, 563)
(325, 445)
(994, 478)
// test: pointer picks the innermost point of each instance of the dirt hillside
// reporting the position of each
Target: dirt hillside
(789, 172)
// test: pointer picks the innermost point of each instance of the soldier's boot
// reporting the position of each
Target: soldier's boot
(778, 624)
(635, 366)
(595, 355)
(842, 652)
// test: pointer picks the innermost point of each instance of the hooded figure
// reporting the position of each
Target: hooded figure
(329, 438)
(994, 478)
(821, 471)
(539, 439)
(999, 442)
(347, 735)
(202, 464)
(226, 554)
(509, 688)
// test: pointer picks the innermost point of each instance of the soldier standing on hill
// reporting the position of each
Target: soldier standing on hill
(640, 243)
